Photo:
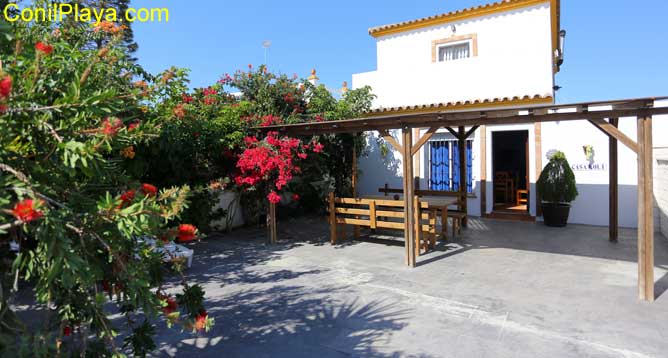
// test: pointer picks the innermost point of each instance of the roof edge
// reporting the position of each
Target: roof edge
(458, 15)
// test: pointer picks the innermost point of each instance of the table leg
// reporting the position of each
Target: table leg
(444, 222)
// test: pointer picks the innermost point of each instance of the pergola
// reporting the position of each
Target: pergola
(463, 123)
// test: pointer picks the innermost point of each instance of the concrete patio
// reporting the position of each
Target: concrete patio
(503, 289)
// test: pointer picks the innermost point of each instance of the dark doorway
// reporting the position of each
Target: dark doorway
(510, 163)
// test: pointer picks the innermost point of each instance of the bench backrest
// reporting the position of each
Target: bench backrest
(372, 213)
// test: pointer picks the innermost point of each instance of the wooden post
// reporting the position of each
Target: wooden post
(271, 224)
(409, 193)
(356, 229)
(483, 170)
(614, 186)
(418, 225)
(332, 219)
(645, 211)
(462, 173)
(538, 134)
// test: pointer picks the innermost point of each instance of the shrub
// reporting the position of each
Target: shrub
(557, 181)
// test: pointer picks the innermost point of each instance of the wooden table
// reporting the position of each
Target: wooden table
(441, 204)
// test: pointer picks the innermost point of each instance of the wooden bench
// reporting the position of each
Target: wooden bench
(381, 214)
(457, 215)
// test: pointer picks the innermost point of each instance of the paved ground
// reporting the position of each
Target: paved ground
(502, 290)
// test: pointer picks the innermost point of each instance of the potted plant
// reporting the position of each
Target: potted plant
(556, 188)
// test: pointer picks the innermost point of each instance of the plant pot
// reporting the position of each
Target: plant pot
(556, 215)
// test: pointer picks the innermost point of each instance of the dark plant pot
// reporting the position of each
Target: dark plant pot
(556, 215)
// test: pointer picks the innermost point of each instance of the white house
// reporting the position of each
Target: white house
(490, 57)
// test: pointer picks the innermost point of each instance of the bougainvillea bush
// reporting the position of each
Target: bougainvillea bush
(74, 111)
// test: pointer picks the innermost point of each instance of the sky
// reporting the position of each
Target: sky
(614, 48)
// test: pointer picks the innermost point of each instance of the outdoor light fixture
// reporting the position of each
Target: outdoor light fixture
(266, 44)
(560, 50)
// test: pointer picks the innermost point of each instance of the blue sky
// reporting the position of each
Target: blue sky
(614, 48)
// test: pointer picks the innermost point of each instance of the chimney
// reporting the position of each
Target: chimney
(313, 78)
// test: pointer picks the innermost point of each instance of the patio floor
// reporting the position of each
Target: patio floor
(504, 289)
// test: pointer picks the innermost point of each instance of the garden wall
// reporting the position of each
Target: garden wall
(229, 201)
(661, 189)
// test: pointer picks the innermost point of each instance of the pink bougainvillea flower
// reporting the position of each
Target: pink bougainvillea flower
(26, 210)
(110, 127)
(317, 147)
(67, 331)
(274, 198)
(149, 190)
(5, 87)
(319, 119)
(186, 98)
(44, 48)
(187, 233)
(296, 197)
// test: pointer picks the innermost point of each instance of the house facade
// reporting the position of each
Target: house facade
(505, 54)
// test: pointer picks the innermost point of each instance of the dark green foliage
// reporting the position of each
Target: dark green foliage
(557, 181)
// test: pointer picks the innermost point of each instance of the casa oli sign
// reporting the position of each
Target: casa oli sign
(590, 164)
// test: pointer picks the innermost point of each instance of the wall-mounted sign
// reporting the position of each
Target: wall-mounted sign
(591, 164)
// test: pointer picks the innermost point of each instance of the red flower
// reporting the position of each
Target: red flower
(179, 112)
(296, 197)
(106, 287)
(186, 98)
(5, 87)
(274, 198)
(302, 155)
(149, 190)
(25, 211)
(200, 320)
(67, 331)
(3, 108)
(111, 127)
(133, 126)
(187, 232)
(171, 306)
(127, 197)
(317, 147)
(319, 119)
(44, 48)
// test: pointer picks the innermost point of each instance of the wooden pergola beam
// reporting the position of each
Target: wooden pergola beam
(614, 132)
(424, 139)
(393, 141)
(471, 131)
(454, 119)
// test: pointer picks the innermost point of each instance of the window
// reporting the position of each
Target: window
(444, 165)
(454, 48)
(454, 52)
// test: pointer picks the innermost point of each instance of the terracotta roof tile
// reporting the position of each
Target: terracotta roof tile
(460, 105)
(475, 11)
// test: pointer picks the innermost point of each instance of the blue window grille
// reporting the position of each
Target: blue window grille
(444, 174)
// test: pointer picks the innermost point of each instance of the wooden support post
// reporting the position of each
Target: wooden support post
(417, 162)
(271, 224)
(645, 211)
(462, 172)
(483, 170)
(538, 134)
(417, 225)
(409, 193)
(356, 229)
(332, 219)
(614, 186)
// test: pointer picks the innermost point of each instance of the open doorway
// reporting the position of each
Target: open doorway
(510, 165)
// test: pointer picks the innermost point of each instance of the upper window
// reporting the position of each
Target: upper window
(454, 52)
(454, 48)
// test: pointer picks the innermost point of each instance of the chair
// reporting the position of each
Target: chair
(502, 184)
(522, 197)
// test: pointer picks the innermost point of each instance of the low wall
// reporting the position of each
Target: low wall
(229, 201)
(661, 189)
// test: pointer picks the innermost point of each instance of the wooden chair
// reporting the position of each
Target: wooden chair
(522, 197)
(502, 185)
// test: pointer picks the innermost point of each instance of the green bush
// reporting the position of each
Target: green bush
(557, 181)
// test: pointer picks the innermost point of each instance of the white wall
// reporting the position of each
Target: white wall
(514, 59)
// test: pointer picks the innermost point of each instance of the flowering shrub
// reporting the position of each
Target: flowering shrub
(73, 125)
(271, 162)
